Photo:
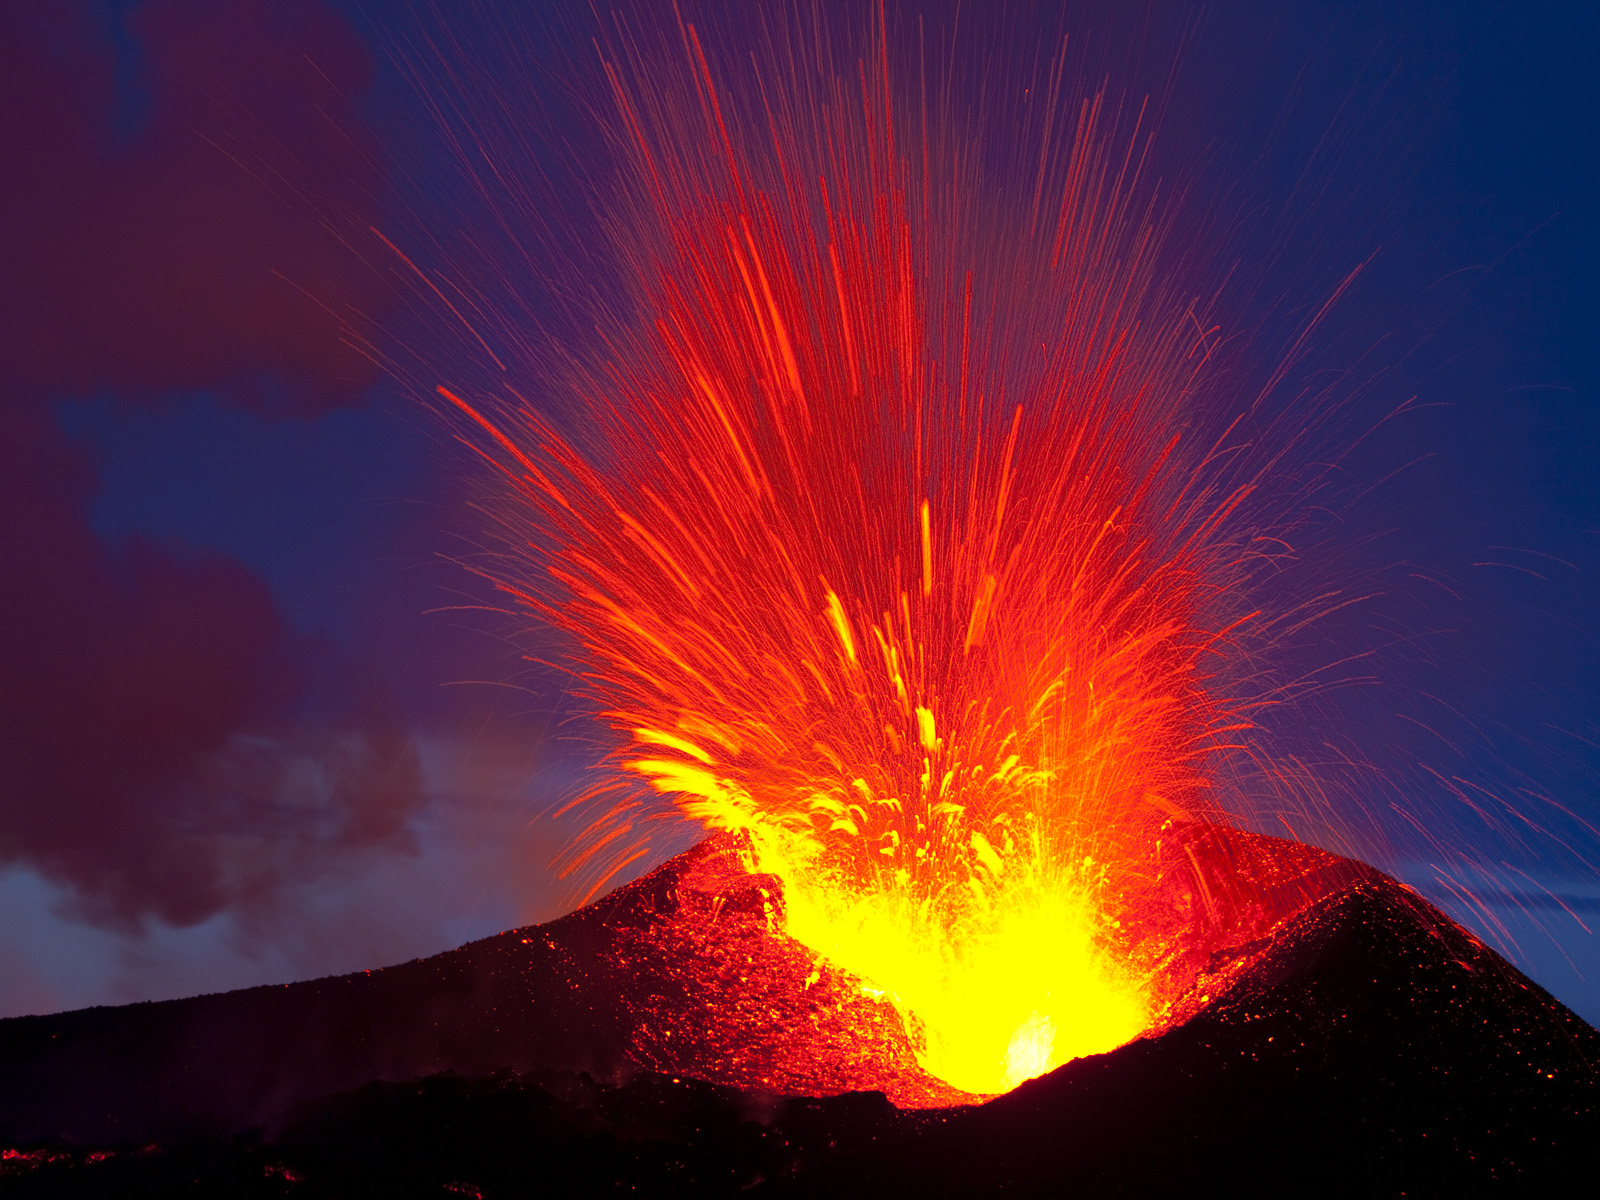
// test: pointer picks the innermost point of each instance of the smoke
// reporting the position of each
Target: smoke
(182, 190)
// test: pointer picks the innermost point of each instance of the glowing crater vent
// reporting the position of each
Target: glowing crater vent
(1003, 997)
(998, 956)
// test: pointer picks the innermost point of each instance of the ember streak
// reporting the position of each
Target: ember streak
(904, 564)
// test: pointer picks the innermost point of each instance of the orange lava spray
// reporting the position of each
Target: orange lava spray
(898, 562)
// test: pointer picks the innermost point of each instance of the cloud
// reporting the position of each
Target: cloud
(169, 745)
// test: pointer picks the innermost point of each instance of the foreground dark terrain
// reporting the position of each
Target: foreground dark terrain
(1362, 1043)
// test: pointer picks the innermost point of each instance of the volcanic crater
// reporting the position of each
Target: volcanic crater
(1321, 1026)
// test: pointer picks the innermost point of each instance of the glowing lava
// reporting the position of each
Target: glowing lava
(895, 564)
(1007, 988)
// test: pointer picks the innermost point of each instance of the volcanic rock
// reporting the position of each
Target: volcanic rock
(1329, 1032)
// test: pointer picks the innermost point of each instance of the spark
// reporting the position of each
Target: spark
(899, 565)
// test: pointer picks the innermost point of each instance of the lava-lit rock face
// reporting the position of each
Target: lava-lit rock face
(715, 990)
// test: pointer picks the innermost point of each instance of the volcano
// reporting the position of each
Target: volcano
(1326, 1030)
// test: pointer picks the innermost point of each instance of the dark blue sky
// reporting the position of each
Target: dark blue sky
(247, 747)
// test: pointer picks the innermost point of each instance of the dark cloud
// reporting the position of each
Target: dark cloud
(177, 219)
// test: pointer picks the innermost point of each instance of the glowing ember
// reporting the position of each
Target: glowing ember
(896, 567)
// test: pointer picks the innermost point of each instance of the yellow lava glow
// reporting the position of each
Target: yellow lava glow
(1002, 997)
(986, 932)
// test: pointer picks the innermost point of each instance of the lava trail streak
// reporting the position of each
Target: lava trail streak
(901, 559)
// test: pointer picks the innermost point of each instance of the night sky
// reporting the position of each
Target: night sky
(255, 724)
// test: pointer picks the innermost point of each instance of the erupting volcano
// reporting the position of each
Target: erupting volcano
(919, 547)
(905, 562)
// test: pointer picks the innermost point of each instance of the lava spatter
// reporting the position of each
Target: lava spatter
(898, 566)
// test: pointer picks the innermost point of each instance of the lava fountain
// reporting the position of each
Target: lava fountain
(900, 558)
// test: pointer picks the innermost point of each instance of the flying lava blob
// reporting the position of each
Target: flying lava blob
(900, 560)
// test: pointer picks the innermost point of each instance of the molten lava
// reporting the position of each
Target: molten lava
(895, 560)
